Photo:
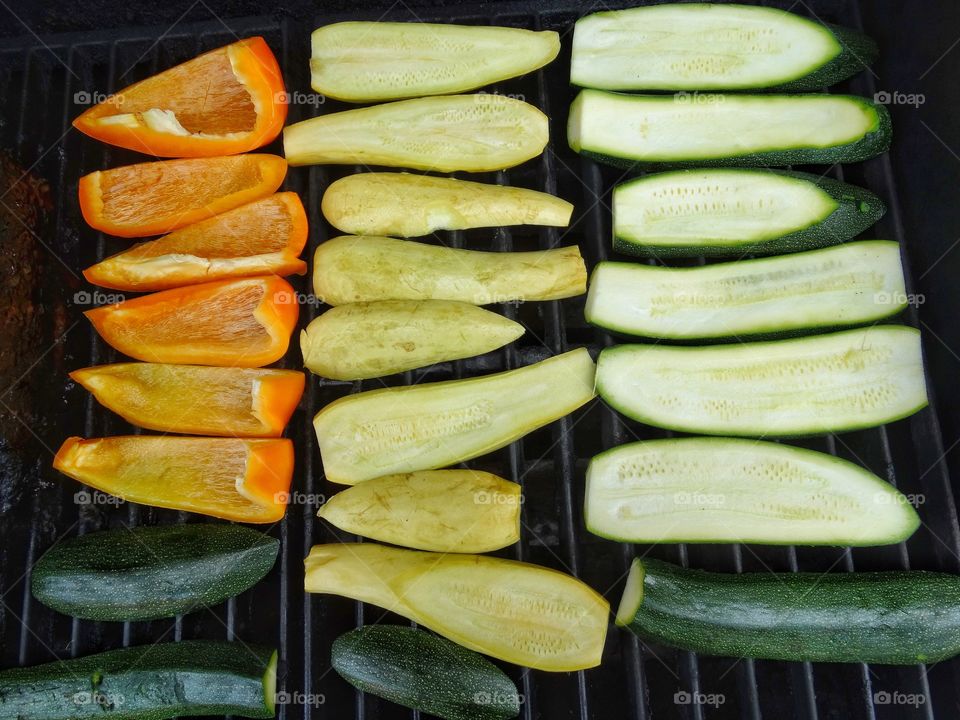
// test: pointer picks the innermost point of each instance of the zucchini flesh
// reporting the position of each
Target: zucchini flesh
(150, 682)
(407, 205)
(718, 212)
(700, 46)
(850, 284)
(517, 612)
(147, 573)
(424, 672)
(432, 425)
(352, 269)
(371, 339)
(474, 133)
(464, 511)
(749, 130)
(896, 617)
(828, 383)
(377, 61)
(744, 491)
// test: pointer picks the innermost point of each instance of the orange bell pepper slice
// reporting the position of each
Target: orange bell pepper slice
(197, 400)
(226, 101)
(240, 323)
(153, 198)
(233, 479)
(264, 236)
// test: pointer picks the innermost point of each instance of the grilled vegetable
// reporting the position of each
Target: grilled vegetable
(476, 133)
(407, 205)
(146, 573)
(898, 617)
(829, 383)
(235, 402)
(849, 284)
(520, 613)
(711, 130)
(372, 339)
(262, 237)
(731, 212)
(149, 682)
(243, 480)
(699, 46)
(465, 511)
(229, 100)
(723, 490)
(425, 672)
(158, 197)
(351, 269)
(243, 323)
(432, 425)
(377, 61)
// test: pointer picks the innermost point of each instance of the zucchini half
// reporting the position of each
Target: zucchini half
(723, 490)
(475, 133)
(731, 212)
(850, 284)
(898, 617)
(377, 61)
(683, 130)
(432, 425)
(806, 386)
(701, 46)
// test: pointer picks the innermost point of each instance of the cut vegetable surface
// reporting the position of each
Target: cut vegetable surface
(517, 612)
(194, 399)
(407, 205)
(146, 573)
(149, 682)
(850, 284)
(745, 491)
(352, 269)
(829, 383)
(244, 323)
(376, 61)
(425, 672)
(897, 617)
(475, 133)
(229, 100)
(465, 511)
(732, 212)
(700, 46)
(243, 480)
(158, 197)
(372, 339)
(261, 237)
(431, 425)
(655, 131)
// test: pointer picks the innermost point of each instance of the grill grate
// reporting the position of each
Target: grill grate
(635, 681)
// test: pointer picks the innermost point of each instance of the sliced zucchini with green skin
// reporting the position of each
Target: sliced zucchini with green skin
(474, 133)
(731, 212)
(701, 46)
(513, 611)
(377, 61)
(850, 284)
(371, 339)
(663, 131)
(426, 672)
(147, 573)
(406, 205)
(351, 269)
(899, 617)
(149, 682)
(807, 386)
(432, 425)
(746, 491)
